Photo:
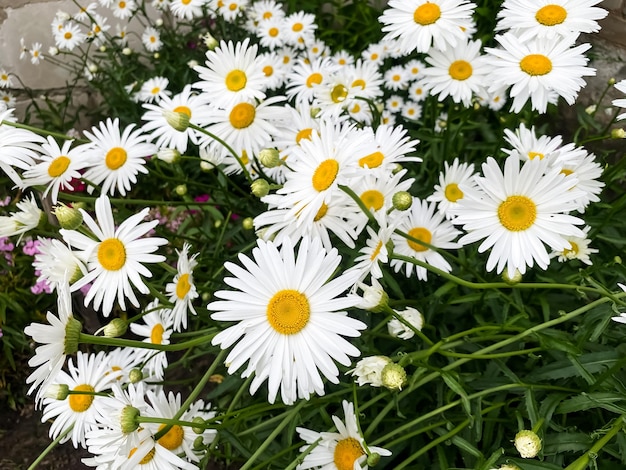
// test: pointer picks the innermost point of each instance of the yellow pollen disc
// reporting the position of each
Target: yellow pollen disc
(414, 71)
(321, 212)
(517, 213)
(183, 109)
(374, 56)
(325, 174)
(551, 15)
(286, 59)
(97, 30)
(314, 79)
(172, 438)
(156, 335)
(460, 70)
(419, 91)
(112, 254)
(304, 134)
(242, 115)
(426, 14)
(297, 27)
(79, 402)
(342, 61)
(149, 456)
(122, 4)
(267, 15)
(373, 160)
(236, 80)
(422, 234)
(566, 172)
(183, 286)
(232, 6)
(573, 249)
(220, 3)
(536, 64)
(268, 70)
(453, 193)
(533, 155)
(359, 82)
(396, 78)
(339, 93)
(346, 453)
(115, 158)
(373, 199)
(113, 370)
(68, 35)
(58, 166)
(356, 108)
(155, 90)
(244, 157)
(273, 32)
(288, 311)
(376, 251)
(186, 2)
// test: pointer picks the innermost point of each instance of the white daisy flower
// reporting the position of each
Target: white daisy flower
(366, 81)
(414, 69)
(6, 81)
(527, 146)
(341, 450)
(187, 9)
(621, 102)
(448, 192)
(579, 249)
(271, 33)
(85, 12)
(538, 67)
(411, 315)
(368, 371)
(305, 75)
(300, 29)
(577, 161)
(35, 53)
(98, 28)
(182, 291)
(19, 148)
(423, 223)
(375, 54)
(57, 263)
(394, 103)
(342, 58)
(622, 316)
(155, 329)
(264, 10)
(122, 361)
(517, 211)
(396, 78)
(418, 24)
(299, 125)
(274, 70)
(123, 9)
(316, 48)
(7, 100)
(26, 219)
(291, 318)
(230, 10)
(69, 36)
(116, 258)
(116, 156)
(411, 110)
(393, 146)
(153, 89)
(151, 39)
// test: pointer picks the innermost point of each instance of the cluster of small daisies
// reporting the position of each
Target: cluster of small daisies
(318, 135)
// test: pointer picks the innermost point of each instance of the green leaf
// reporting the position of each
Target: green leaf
(566, 442)
(592, 362)
(587, 401)
(459, 390)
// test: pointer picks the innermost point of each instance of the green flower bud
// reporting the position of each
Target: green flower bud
(270, 158)
(70, 218)
(247, 223)
(373, 459)
(402, 200)
(178, 120)
(128, 419)
(72, 333)
(199, 420)
(393, 376)
(181, 189)
(198, 443)
(612, 81)
(260, 188)
(116, 328)
(527, 443)
(135, 375)
(618, 134)
(57, 391)
(512, 280)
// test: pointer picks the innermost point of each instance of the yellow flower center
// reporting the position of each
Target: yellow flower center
(339, 93)
(517, 213)
(356, 108)
(304, 134)
(186, 2)
(112, 254)
(426, 14)
(68, 35)
(374, 56)
(81, 402)
(533, 155)
(156, 335)
(58, 166)
(566, 172)
(314, 79)
(422, 234)
(183, 286)
(376, 251)
(236, 80)
(453, 193)
(297, 27)
(573, 249)
(242, 115)
(232, 6)
(173, 438)
(183, 109)
(321, 212)
(244, 157)
(325, 174)
(346, 453)
(115, 158)
(460, 70)
(268, 70)
(122, 4)
(267, 15)
(359, 82)
(288, 311)
(373, 160)
(536, 64)
(149, 456)
(155, 90)
(551, 15)
(273, 32)
(373, 199)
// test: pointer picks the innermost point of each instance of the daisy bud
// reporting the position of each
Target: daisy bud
(368, 371)
(398, 329)
(611, 81)
(53, 51)
(168, 155)
(402, 200)
(199, 420)
(247, 223)
(70, 218)
(515, 279)
(156, 55)
(127, 51)
(209, 41)
(373, 459)
(181, 189)
(128, 419)
(396, 168)
(135, 375)
(192, 63)
(393, 376)
(509, 466)
(93, 68)
(269, 157)
(159, 22)
(198, 443)
(72, 333)
(527, 443)
(260, 188)
(116, 328)
(57, 391)
(374, 297)
(618, 134)
(103, 48)
(591, 109)
(179, 121)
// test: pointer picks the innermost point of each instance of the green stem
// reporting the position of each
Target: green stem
(130, 343)
(43, 132)
(581, 462)
(51, 446)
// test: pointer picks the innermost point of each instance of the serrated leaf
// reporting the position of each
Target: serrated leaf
(586, 401)
(566, 442)
(592, 362)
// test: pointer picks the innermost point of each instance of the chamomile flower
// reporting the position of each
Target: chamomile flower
(182, 291)
(187, 9)
(621, 102)
(299, 29)
(69, 36)
(79, 410)
(153, 89)
(536, 68)
(418, 24)
(537, 18)
(396, 78)
(151, 39)
(411, 110)
(305, 75)
(116, 156)
(5, 79)
(518, 210)
(398, 329)
(392, 146)
(232, 74)
(156, 328)
(341, 450)
(123, 9)
(116, 258)
(271, 33)
(57, 263)
(527, 145)
(291, 318)
(425, 224)
(35, 53)
(27, 218)
(579, 249)
(448, 192)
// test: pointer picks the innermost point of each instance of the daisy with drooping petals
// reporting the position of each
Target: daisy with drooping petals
(418, 24)
(527, 145)
(182, 291)
(620, 103)
(425, 224)
(19, 148)
(375, 250)
(18, 223)
(579, 249)
(341, 450)
(393, 146)
(116, 258)
(116, 156)
(518, 210)
(448, 192)
(291, 318)
(155, 329)
(536, 68)
(56, 263)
